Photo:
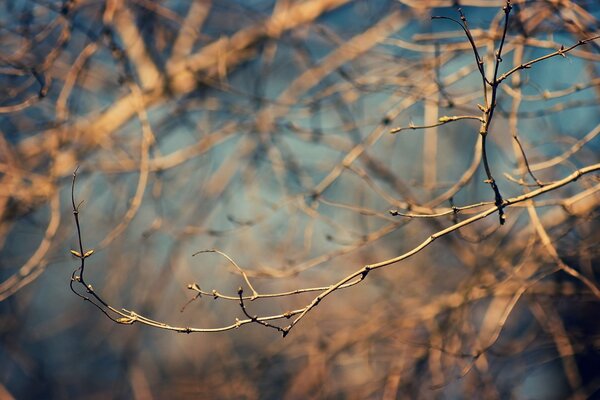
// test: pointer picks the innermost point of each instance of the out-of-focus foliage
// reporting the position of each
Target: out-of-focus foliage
(262, 129)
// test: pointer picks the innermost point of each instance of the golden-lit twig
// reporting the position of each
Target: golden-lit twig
(506, 203)
(124, 316)
(442, 121)
(240, 270)
(560, 52)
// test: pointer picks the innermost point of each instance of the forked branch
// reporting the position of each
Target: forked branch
(127, 317)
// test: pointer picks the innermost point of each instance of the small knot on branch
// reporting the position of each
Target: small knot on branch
(365, 271)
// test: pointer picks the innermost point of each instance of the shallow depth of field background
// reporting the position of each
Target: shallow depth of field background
(249, 149)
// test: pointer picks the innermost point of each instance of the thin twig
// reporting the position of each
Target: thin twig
(442, 121)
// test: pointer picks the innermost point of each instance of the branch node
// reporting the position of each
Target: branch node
(365, 271)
